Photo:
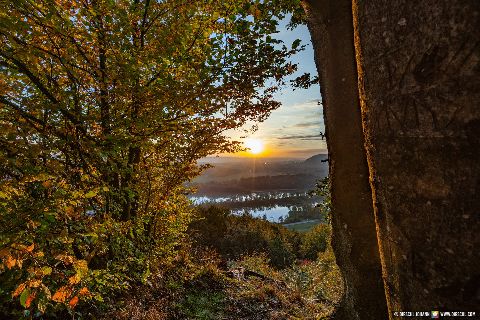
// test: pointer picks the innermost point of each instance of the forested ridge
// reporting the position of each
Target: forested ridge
(105, 108)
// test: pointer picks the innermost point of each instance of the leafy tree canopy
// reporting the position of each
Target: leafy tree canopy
(105, 106)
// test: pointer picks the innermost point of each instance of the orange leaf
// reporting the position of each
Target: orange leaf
(73, 302)
(62, 294)
(10, 263)
(83, 291)
(65, 258)
(29, 300)
(74, 279)
(4, 252)
(69, 210)
(33, 224)
(30, 247)
(19, 290)
(35, 283)
(47, 184)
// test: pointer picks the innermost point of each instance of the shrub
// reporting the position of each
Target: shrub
(234, 236)
(58, 257)
(315, 241)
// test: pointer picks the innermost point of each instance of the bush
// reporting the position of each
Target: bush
(234, 236)
(58, 258)
(315, 241)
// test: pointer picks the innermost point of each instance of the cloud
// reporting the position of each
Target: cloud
(305, 137)
(308, 124)
(312, 103)
(303, 153)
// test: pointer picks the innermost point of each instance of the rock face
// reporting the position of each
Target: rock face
(418, 68)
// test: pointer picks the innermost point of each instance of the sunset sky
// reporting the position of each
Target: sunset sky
(293, 130)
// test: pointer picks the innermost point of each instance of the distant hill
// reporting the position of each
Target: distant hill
(246, 175)
(317, 159)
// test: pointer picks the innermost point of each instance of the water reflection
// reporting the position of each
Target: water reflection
(275, 214)
(280, 207)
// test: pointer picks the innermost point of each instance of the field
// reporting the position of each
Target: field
(303, 226)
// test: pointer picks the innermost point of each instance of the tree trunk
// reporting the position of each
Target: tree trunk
(419, 76)
(354, 237)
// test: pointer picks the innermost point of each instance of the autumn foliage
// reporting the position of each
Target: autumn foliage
(105, 106)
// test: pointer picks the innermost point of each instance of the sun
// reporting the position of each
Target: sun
(255, 146)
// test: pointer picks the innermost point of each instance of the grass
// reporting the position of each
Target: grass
(302, 226)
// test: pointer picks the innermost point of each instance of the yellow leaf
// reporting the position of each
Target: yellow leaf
(47, 292)
(41, 177)
(91, 194)
(19, 290)
(65, 258)
(62, 183)
(46, 270)
(35, 283)
(81, 267)
(41, 306)
(74, 279)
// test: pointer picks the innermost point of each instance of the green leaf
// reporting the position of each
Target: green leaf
(81, 267)
(24, 297)
(296, 43)
(47, 270)
(90, 194)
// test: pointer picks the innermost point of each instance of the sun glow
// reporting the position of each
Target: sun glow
(255, 146)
